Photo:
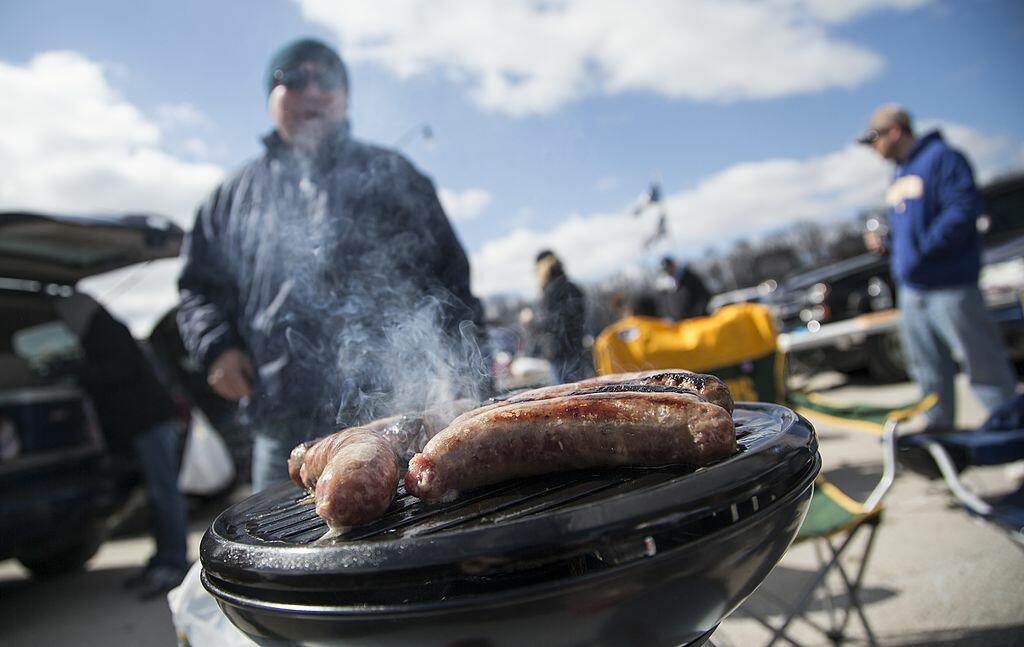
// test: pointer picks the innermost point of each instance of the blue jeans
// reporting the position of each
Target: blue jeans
(157, 449)
(271, 445)
(938, 325)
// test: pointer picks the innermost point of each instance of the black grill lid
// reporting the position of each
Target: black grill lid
(512, 533)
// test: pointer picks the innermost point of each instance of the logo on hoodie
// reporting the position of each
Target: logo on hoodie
(908, 187)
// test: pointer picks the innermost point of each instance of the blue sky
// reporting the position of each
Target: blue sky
(549, 117)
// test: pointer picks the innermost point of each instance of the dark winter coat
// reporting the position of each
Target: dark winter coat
(340, 277)
(559, 325)
(120, 381)
(690, 297)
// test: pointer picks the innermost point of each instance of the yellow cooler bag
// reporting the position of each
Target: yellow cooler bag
(736, 344)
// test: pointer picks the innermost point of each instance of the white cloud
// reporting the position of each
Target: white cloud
(195, 147)
(837, 11)
(69, 142)
(533, 57)
(464, 205)
(748, 200)
(181, 114)
(989, 154)
(607, 183)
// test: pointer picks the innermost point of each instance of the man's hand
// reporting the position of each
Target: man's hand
(874, 242)
(230, 374)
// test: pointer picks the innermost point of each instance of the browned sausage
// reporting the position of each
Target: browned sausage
(654, 425)
(407, 433)
(295, 460)
(318, 453)
(354, 473)
(359, 481)
(709, 387)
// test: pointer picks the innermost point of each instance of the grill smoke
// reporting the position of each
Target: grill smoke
(351, 327)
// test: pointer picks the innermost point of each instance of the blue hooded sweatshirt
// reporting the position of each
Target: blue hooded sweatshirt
(934, 208)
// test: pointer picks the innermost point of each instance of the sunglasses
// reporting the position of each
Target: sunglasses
(299, 78)
(871, 136)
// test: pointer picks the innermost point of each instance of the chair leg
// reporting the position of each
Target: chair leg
(809, 591)
(828, 598)
(784, 605)
(853, 590)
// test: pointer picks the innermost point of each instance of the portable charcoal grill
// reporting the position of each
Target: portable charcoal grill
(603, 557)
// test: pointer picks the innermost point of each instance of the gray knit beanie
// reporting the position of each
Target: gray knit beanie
(302, 51)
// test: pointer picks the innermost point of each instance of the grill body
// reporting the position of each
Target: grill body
(625, 556)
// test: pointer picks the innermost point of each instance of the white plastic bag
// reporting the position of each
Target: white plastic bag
(198, 620)
(206, 466)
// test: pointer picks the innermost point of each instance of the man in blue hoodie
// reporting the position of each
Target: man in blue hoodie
(936, 258)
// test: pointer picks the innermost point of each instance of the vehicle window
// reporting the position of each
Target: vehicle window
(45, 343)
(1006, 214)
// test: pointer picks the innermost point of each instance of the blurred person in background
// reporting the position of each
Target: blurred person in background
(687, 295)
(642, 304)
(559, 319)
(936, 258)
(304, 272)
(136, 413)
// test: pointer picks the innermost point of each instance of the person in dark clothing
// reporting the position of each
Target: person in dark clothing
(642, 304)
(559, 319)
(689, 296)
(936, 260)
(136, 413)
(323, 285)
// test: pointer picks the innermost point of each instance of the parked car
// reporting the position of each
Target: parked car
(59, 481)
(808, 301)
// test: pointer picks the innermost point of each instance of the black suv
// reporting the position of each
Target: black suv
(806, 303)
(59, 483)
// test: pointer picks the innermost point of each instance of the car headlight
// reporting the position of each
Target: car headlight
(880, 294)
(818, 314)
(818, 293)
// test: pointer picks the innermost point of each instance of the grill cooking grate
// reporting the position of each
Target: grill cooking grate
(519, 535)
(293, 520)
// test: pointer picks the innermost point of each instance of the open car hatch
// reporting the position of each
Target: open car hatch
(66, 249)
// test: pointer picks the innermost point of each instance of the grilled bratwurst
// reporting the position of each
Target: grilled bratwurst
(354, 473)
(406, 433)
(359, 481)
(709, 387)
(605, 426)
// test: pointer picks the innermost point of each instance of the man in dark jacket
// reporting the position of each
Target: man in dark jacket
(688, 298)
(559, 319)
(323, 285)
(936, 258)
(135, 413)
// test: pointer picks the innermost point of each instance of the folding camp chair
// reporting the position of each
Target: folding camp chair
(833, 523)
(951, 453)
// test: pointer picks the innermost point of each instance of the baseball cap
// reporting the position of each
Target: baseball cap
(884, 118)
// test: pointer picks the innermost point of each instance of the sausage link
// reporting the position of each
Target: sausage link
(601, 429)
(708, 387)
(359, 481)
(406, 433)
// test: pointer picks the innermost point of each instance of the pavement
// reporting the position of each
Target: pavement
(91, 607)
(936, 576)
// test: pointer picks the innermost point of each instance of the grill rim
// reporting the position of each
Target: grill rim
(404, 611)
(232, 561)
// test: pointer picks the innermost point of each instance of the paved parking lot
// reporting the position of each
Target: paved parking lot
(937, 577)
